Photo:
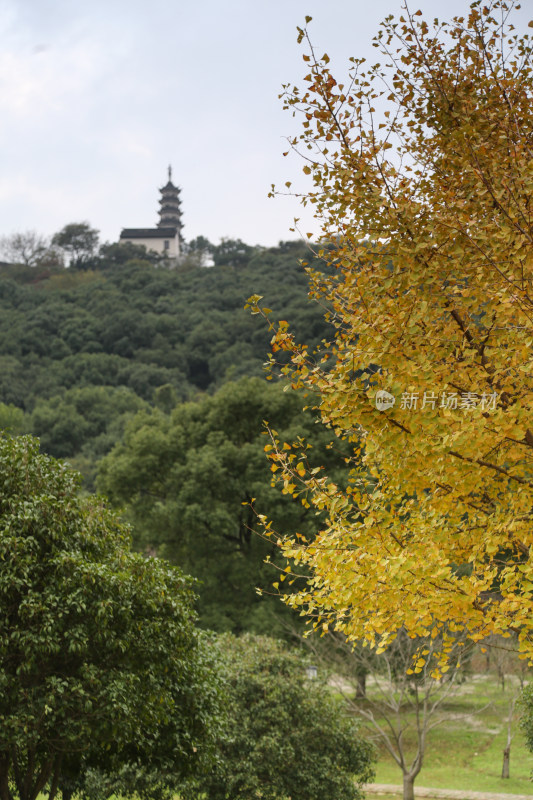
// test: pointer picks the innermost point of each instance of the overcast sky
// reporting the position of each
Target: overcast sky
(98, 97)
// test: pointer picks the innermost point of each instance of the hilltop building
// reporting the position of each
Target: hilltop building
(166, 239)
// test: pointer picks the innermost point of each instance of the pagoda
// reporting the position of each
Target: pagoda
(170, 211)
(166, 239)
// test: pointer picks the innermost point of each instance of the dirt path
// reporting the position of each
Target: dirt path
(443, 794)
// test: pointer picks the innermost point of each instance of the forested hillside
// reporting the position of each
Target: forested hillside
(81, 350)
(150, 381)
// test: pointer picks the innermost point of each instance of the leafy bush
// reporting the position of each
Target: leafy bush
(286, 736)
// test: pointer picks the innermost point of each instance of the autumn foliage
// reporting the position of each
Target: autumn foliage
(422, 176)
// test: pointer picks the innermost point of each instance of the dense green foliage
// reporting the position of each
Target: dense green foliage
(188, 480)
(121, 350)
(286, 736)
(135, 780)
(83, 422)
(133, 326)
(139, 326)
(99, 655)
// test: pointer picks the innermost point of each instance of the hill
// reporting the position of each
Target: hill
(80, 351)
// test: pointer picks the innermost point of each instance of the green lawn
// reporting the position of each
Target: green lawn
(466, 753)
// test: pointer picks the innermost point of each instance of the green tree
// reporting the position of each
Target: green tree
(286, 736)
(79, 241)
(83, 424)
(12, 381)
(109, 255)
(122, 780)
(232, 253)
(13, 420)
(98, 649)
(188, 479)
(199, 252)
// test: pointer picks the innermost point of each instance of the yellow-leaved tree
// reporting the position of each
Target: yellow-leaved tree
(422, 173)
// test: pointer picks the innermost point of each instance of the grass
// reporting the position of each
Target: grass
(467, 753)
(384, 796)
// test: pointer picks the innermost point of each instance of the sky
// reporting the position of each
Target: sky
(97, 98)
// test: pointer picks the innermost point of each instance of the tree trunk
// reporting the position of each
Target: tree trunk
(408, 787)
(507, 749)
(5, 792)
(506, 758)
(360, 691)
